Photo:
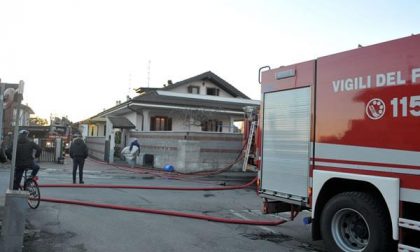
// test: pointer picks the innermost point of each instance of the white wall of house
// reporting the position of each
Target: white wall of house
(101, 130)
(24, 118)
(110, 135)
(132, 117)
(84, 129)
(180, 121)
(203, 85)
(146, 120)
(139, 122)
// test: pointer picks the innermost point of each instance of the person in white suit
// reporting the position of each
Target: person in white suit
(131, 152)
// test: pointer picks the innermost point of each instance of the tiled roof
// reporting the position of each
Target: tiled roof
(121, 122)
(155, 98)
(213, 78)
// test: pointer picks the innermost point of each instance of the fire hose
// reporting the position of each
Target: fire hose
(150, 187)
(157, 211)
(166, 212)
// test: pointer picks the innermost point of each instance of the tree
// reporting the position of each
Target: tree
(38, 121)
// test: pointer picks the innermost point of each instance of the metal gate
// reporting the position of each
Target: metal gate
(52, 149)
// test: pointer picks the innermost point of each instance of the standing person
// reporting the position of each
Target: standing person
(24, 157)
(131, 152)
(78, 152)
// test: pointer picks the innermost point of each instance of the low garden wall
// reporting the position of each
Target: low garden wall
(189, 151)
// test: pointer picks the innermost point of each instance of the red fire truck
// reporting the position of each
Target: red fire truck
(340, 136)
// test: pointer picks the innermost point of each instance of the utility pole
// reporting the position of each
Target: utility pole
(18, 100)
(15, 201)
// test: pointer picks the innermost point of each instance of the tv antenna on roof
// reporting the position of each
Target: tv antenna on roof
(129, 85)
(148, 73)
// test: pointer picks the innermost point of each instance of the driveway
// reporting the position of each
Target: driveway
(63, 227)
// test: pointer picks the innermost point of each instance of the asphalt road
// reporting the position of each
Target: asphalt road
(62, 227)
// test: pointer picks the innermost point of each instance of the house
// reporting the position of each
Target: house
(25, 113)
(192, 124)
(8, 107)
(10, 115)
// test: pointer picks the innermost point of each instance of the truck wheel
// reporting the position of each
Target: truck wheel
(355, 221)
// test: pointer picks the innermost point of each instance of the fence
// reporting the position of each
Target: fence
(49, 150)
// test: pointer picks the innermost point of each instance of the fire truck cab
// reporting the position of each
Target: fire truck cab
(340, 136)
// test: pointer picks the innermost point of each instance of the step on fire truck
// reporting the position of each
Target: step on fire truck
(340, 136)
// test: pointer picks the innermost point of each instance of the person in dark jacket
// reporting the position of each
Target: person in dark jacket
(24, 157)
(78, 152)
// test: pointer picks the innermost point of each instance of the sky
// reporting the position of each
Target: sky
(78, 57)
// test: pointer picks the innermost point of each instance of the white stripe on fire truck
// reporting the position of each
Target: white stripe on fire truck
(367, 154)
(368, 167)
(410, 195)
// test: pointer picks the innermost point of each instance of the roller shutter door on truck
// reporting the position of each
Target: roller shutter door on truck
(286, 143)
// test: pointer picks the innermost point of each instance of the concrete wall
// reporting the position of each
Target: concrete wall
(190, 151)
(96, 147)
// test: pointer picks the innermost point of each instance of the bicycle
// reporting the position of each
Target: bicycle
(30, 185)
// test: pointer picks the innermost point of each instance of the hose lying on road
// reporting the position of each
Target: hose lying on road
(150, 187)
(156, 211)
(166, 212)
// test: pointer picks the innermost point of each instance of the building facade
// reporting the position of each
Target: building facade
(164, 118)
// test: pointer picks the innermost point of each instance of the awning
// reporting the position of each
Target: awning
(121, 122)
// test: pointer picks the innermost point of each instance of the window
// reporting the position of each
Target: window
(193, 90)
(212, 125)
(93, 129)
(213, 91)
(161, 123)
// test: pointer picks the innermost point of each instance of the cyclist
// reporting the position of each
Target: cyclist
(24, 157)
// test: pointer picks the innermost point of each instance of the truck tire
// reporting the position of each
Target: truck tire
(356, 221)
